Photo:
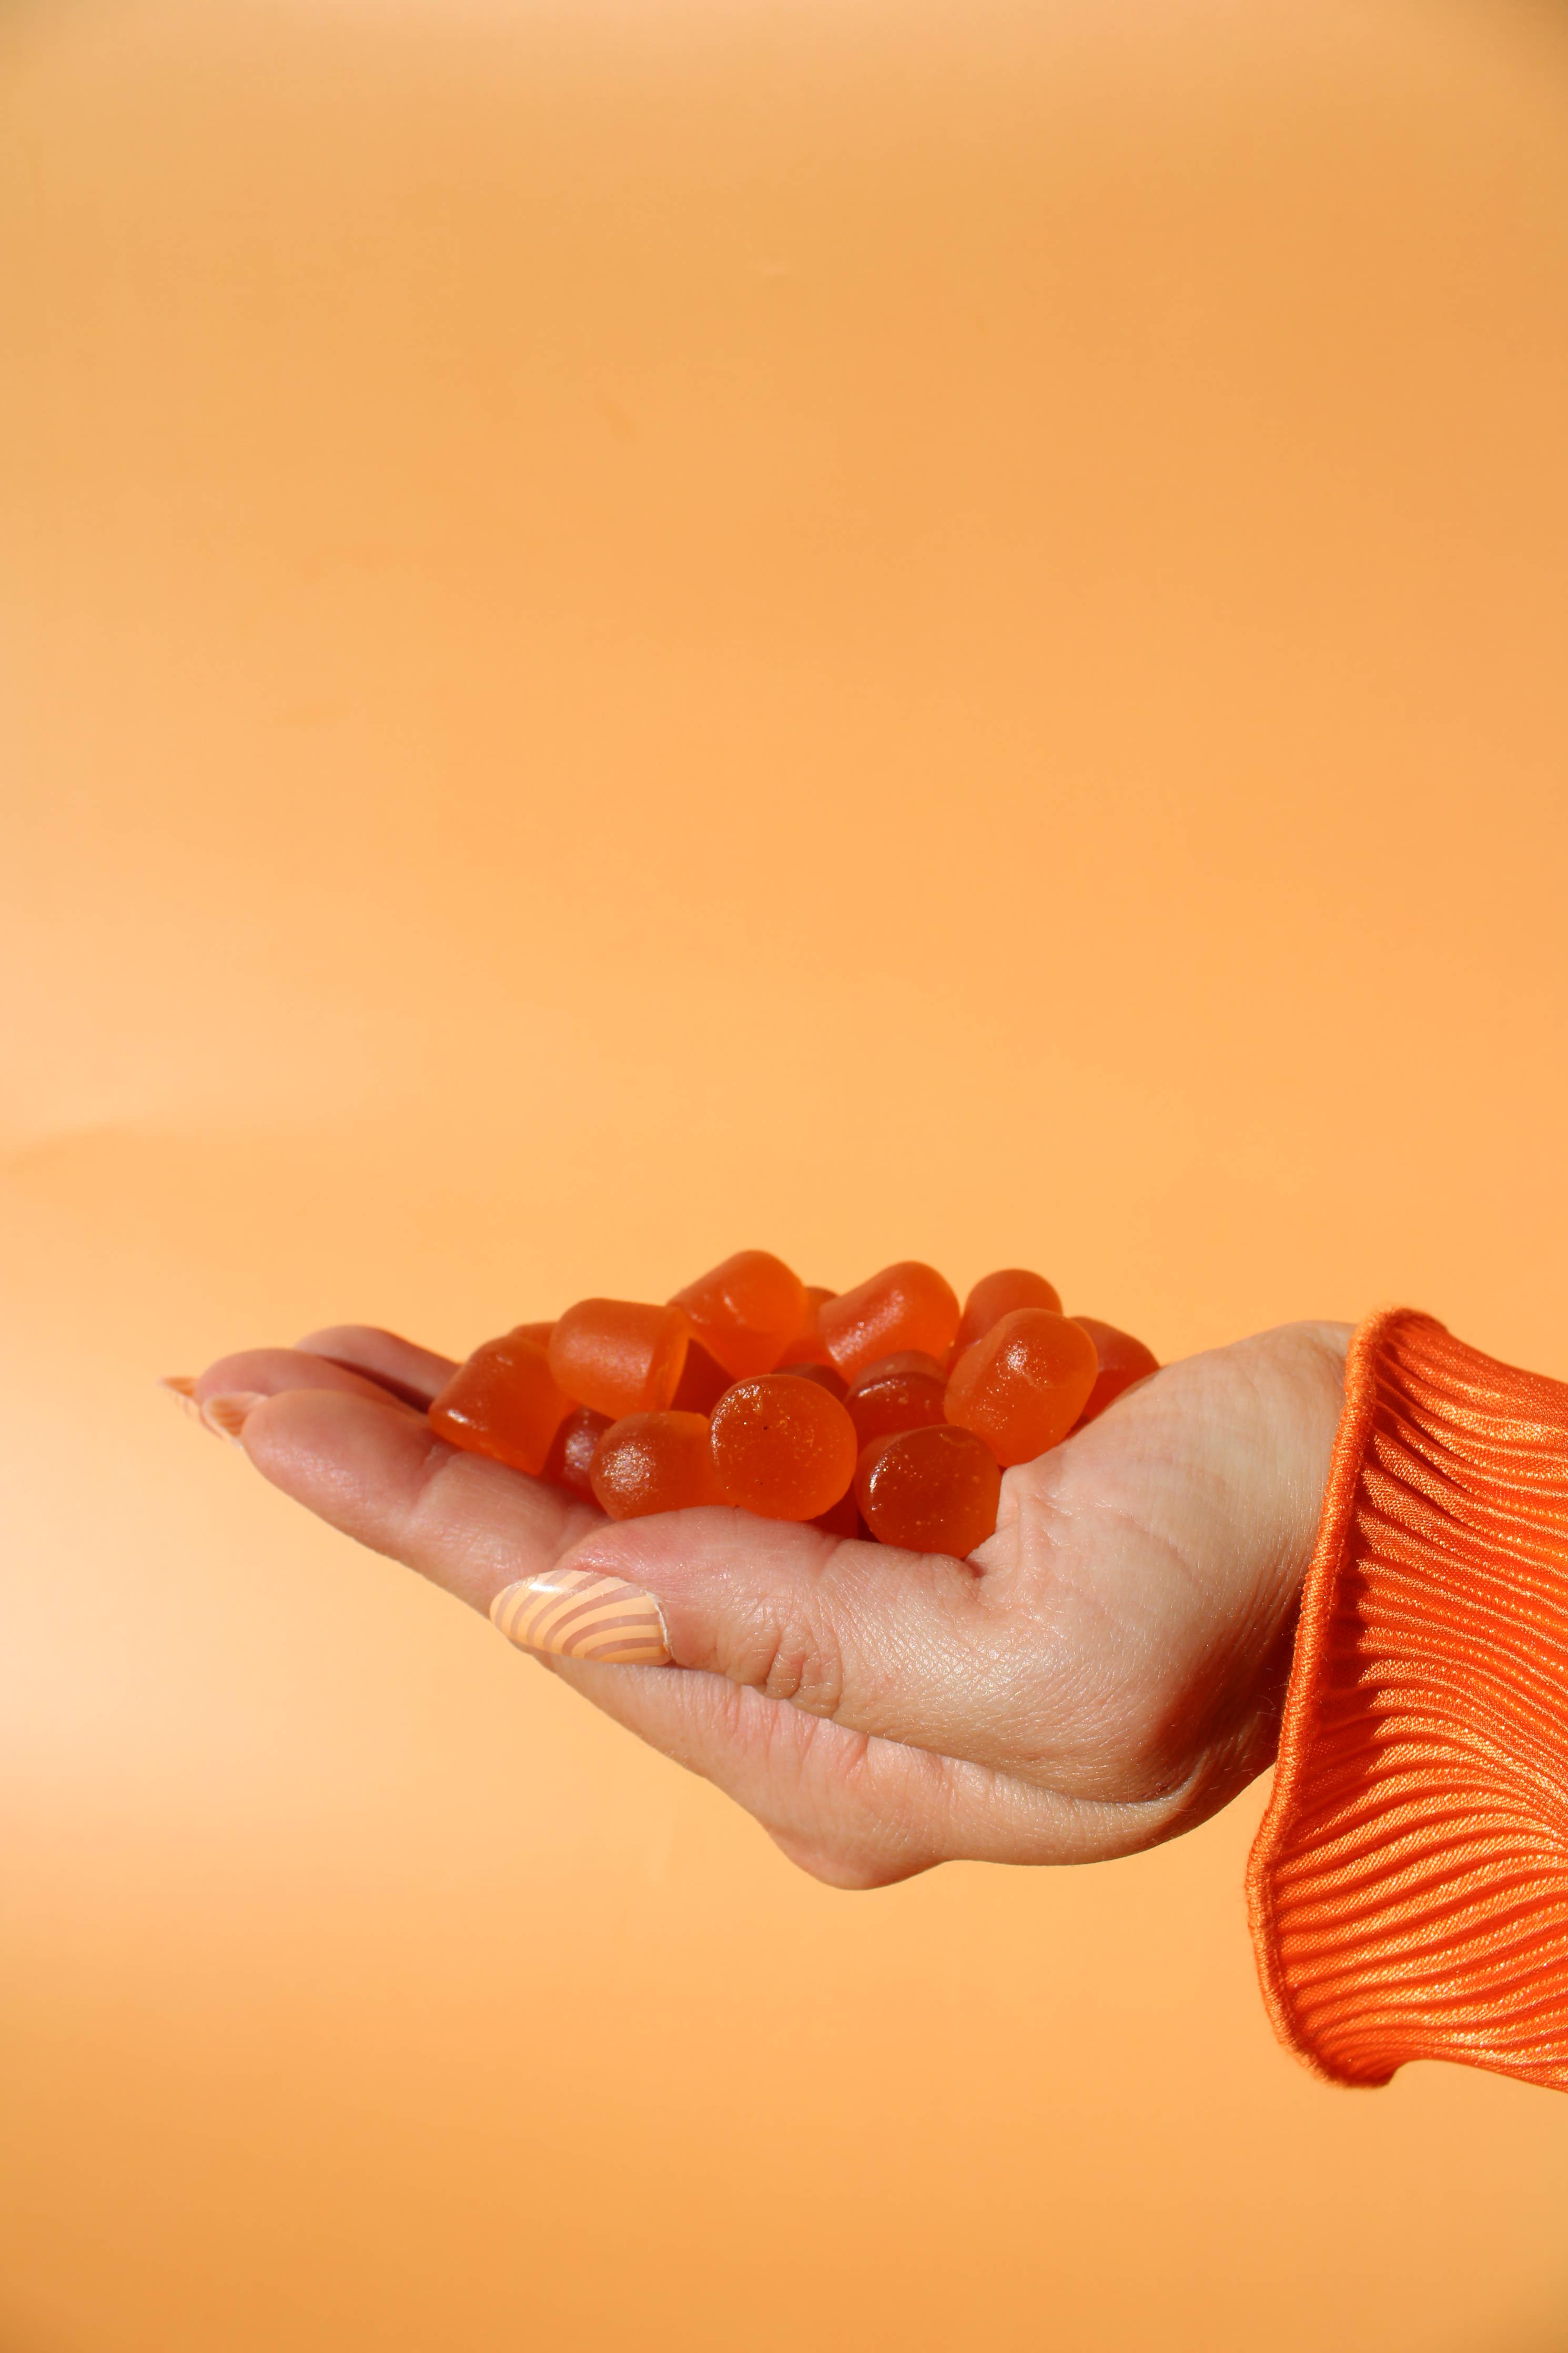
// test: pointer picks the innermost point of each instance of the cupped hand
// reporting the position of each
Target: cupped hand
(1107, 1669)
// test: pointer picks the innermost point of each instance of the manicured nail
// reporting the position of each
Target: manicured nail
(183, 1390)
(227, 1415)
(575, 1613)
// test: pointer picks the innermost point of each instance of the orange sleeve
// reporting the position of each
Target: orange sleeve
(1409, 1884)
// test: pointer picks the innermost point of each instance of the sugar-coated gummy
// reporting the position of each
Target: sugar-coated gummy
(782, 1447)
(806, 1345)
(822, 1375)
(907, 1306)
(902, 1392)
(702, 1382)
(655, 1462)
(570, 1462)
(619, 1355)
(745, 1310)
(504, 1402)
(1122, 1361)
(1022, 1385)
(903, 1360)
(995, 1296)
(930, 1489)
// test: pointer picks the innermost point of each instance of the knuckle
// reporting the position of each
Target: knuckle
(802, 1663)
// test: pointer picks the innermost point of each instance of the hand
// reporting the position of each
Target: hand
(1107, 1670)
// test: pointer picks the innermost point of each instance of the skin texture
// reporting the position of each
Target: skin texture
(1106, 1672)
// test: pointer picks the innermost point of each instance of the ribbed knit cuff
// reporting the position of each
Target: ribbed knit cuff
(1409, 1885)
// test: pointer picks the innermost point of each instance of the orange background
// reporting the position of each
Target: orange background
(629, 630)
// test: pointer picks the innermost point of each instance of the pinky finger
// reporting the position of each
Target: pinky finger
(410, 1372)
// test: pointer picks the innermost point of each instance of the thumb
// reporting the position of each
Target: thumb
(901, 1645)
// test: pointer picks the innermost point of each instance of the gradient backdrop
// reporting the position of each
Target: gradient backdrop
(633, 628)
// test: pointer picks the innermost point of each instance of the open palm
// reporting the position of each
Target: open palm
(1107, 1669)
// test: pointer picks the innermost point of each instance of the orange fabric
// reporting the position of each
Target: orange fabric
(1409, 1884)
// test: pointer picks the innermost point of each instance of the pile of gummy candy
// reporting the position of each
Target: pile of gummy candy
(887, 1412)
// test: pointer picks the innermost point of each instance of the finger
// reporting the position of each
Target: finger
(910, 1647)
(370, 1467)
(410, 1372)
(264, 1372)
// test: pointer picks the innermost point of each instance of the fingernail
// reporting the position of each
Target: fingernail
(182, 1388)
(576, 1613)
(226, 1416)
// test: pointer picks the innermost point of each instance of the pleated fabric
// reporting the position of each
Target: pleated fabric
(1408, 1888)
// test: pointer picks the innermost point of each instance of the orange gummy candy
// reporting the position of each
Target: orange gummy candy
(1122, 1361)
(744, 1311)
(503, 1402)
(930, 1489)
(655, 1462)
(701, 1384)
(822, 1375)
(806, 1346)
(570, 1462)
(782, 1447)
(619, 1355)
(540, 1332)
(906, 1306)
(995, 1296)
(901, 1392)
(1022, 1386)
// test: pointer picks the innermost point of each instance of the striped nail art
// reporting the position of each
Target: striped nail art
(181, 1387)
(576, 1613)
(226, 1416)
